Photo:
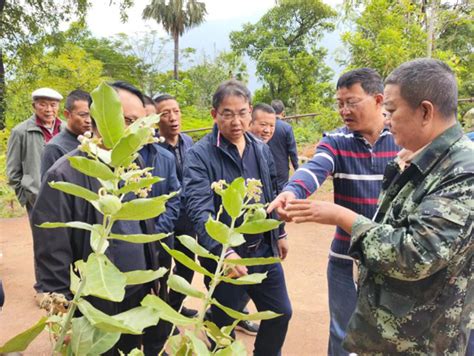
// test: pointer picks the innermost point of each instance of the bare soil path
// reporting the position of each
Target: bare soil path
(305, 271)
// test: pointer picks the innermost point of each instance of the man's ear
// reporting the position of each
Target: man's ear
(67, 114)
(214, 114)
(379, 98)
(428, 111)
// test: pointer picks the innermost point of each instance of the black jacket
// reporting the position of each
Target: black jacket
(209, 161)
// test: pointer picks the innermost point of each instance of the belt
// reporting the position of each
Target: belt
(341, 256)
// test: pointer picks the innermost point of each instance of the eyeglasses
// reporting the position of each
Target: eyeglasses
(349, 104)
(229, 115)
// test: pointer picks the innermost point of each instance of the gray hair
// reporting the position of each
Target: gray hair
(228, 88)
(427, 79)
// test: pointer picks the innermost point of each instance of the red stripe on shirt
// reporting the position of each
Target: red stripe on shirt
(338, 236)
(302, 185)
(369, 201)
(345, 153)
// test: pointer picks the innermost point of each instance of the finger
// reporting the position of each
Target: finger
(274, 204)
(299, 213)
(303, 219)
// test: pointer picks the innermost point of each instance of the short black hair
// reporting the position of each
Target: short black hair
(231, 87)
(368, 78)
(163, 97)
(77, 95)
(148, 100)
(278, 106)
(427, 79)
(123, 85)
(262, 107)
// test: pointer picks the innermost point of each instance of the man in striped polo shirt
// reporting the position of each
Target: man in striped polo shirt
(355, 156)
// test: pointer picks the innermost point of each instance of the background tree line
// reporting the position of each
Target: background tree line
(285, 44)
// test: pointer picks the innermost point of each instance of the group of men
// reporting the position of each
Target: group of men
(403, 189)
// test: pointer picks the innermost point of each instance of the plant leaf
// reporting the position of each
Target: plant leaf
(142, 209)
(104, 280)
(82, 334)
(239, 185)
(185, 260)
(139, 238)
(106, 109)
(236, 239)
(180, 285)
(96, 236)
(91, 168)
(72, 224)
(264, 315)
(125, 150)
(258, 226)
(142, 277)
(191, 244)
(217, 334)
(237, 348)
(143, 183)
(103, 321)
(199, 346)
(254, 278)
(255, 261)
(21, 341)
(139, 318)
(217, 230)
(75, 190)
(232, 201)
(166, 312)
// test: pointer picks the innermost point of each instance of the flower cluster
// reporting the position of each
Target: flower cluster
(254, 189)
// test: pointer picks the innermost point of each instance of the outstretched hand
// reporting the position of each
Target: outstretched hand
(280, 203)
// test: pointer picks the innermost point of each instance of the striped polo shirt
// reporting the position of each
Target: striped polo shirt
(357, 169)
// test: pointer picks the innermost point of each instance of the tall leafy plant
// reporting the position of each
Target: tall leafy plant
(110, 159)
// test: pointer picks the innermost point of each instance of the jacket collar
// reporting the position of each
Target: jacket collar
(221, 142)
(437, 148)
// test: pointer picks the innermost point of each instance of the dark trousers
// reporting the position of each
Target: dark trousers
(36, 286)
(271, 294)
(175, 298)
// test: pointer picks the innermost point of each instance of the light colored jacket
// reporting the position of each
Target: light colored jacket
(24, 151)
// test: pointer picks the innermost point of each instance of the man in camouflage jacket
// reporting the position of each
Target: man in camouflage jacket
(416, 290)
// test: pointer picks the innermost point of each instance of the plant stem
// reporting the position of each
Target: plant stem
(70, 314)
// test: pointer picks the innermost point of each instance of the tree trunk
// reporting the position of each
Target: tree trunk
(2, 78)
(432, 15)
(176, 55)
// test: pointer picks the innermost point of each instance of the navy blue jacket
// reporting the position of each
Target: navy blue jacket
(62, 143)
(283, 146)
(183, 225)
(164, 166)
(208, 161)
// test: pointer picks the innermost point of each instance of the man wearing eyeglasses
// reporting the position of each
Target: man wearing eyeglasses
(78, 121)
(227, 153)
(355, 156)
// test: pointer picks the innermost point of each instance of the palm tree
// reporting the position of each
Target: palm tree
(176, 16)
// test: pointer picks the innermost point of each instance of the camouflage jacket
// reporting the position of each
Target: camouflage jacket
(416, 290)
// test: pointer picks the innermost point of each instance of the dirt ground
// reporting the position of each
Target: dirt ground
(305, 271)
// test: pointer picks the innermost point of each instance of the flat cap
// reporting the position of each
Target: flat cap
(46, 93)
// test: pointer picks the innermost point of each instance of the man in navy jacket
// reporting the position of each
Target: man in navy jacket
(227, 153)
(283, 145)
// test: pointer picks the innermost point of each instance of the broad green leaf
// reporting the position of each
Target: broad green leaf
(254, 278)
(236, 349)
(21, 341)
(143, 183)
(185, 260)
(139, 318)
(217, 230)
(74, 280)
(239, 185)
(96, 236)
(233, 202)
(139, 238)
(147, 121)
(217, 334)
(177, 345)
(142, 209)
(199, 346)
(71, 224)
(236, 239)
(253, 261)
(106, 109)
(142, 277)
(180, 285)
(75, 190)
(192, 245)
(258, 226)
(104, 155)
(102, 341)
(136, 352)
(265, 315)
(103, 321)
(166, 312)
(91, 167)
(125, 150)
(82, 334)
(104, 280)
